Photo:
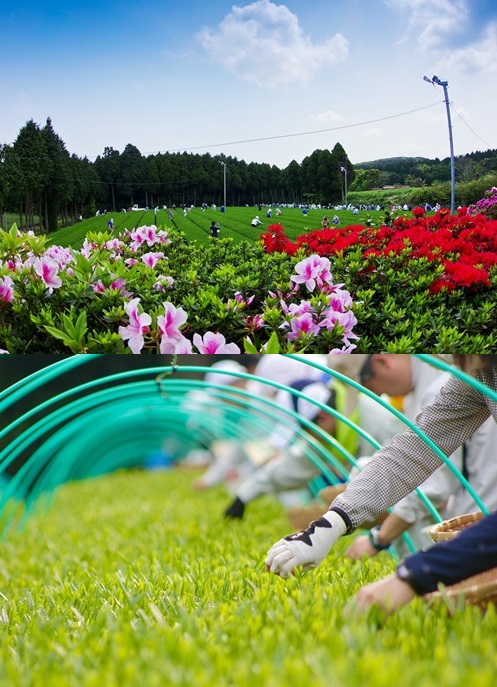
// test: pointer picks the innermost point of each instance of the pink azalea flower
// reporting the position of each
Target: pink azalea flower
(118, 284)
(240, 299)
(48, 270)
(115, 245)
(163, 238)
(344, 351)
(340, 301)
(151, 259)
(148, 234)
(169, 326)
(6, 289)
(88, 248)
(304, 324)
(297, 309)
(253, 323)
(137, 327)
(312, 271)
(173, 319)
(137, 240)
(183, 347)
(212, 343)
(346, 319)
(62, 256)
(180, 345)
(163, 282)
(130, 261)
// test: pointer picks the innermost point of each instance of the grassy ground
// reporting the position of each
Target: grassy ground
(135, 579)
(234, 223)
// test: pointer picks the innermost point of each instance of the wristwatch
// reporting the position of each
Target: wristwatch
(374, 538)
(406, 575)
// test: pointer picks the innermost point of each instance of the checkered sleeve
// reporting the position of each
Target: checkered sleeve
(401, 466)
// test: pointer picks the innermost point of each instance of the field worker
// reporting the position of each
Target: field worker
(325, 222)
(284, 370)
(291, 469)
(256, 221)
(234, 460)
(480, 469)
(214, 229)
(207, 419)
(110, 224)
(418, 383)
(456, 413)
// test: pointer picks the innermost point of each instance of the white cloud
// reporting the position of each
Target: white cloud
(433, 116)
(264, 44)
(373, 132)
(433, 20)
(480, 56)
(328, 117)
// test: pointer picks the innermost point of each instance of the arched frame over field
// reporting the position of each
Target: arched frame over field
(116, 420)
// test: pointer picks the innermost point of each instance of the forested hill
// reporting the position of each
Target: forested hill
(418, 171)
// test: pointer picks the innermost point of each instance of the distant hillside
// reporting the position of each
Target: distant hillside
(386, 162)
(422, 171)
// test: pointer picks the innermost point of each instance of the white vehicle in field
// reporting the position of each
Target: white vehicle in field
(135, 207)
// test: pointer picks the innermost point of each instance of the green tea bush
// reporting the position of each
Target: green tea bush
(134, 579)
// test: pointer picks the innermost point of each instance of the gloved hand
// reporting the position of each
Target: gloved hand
(307, 548)
(235, 510)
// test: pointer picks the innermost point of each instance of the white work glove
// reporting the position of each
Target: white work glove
(307, 548)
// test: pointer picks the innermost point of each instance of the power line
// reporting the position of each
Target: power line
(301, 133)
(293, 135)
(464, 122)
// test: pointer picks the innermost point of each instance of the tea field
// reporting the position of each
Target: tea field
(234, 223)
(135, 579)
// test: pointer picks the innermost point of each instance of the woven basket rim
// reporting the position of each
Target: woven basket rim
(477, 588)
(453, 526)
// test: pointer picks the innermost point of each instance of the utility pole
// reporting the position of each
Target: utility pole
(438, 82)
(224, 165)
(344, 172)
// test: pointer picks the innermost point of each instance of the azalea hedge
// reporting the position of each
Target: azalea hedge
(418, 283)
(412, 284)
(150, 291)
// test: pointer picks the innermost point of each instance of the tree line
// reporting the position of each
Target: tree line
(49, 187)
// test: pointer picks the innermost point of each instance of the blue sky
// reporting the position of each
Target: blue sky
(207, 75)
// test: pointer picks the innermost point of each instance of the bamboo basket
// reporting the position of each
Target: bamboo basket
(448, 529)
(479, 590)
